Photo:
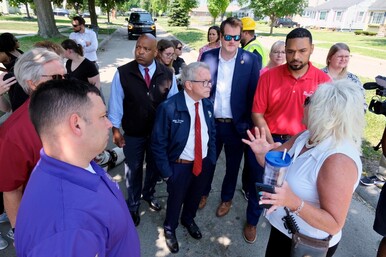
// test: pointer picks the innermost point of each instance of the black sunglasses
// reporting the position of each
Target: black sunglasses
(179, 48)
(229, 37)
(56, 76)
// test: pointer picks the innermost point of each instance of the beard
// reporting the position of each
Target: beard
(297, 67)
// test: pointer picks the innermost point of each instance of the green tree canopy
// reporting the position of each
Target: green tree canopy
(276, 8)
(179, 12)
(217, 7)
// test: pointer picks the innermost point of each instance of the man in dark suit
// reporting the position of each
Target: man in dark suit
(235, 74)
(137, 89)
(183, 145)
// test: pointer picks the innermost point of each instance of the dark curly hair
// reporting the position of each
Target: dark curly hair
(8, 42)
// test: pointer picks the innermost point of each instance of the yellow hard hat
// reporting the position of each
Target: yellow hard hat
(248, 23)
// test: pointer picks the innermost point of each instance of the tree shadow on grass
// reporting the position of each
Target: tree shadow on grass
(18, 18)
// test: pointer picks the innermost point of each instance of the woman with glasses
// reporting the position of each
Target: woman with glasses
(9, 50)
(276, 56)
(178, 62)
(165, 52)
(78, 66)
(213, 39)
(337, 61)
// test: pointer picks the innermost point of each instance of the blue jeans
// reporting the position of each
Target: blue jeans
(135, 150)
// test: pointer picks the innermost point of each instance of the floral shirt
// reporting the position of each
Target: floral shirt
(206, 48)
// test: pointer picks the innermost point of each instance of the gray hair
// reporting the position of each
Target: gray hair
(189, 71)
(29, 66)
(336, 110)
(276, 45)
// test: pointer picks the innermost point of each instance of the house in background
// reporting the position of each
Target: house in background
(342, 15)
(376, 20)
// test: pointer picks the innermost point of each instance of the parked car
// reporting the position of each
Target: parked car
(61, 12)
(285, 22)
(86, 15)
(139, 23)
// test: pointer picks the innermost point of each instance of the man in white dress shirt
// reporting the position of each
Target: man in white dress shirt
(86, 38)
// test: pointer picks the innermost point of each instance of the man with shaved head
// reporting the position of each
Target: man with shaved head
(137, 89)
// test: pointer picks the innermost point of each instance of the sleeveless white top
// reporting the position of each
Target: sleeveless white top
(302, 177)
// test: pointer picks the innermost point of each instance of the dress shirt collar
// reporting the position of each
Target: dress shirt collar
(151, 67)
(189, 101)
(230, 60)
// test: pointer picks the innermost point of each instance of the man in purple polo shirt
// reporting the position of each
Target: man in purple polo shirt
(71, 207)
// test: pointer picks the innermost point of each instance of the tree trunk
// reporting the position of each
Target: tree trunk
(46, 21)
(271, 27)
(91, 9)
(108, 17)
(27, 9)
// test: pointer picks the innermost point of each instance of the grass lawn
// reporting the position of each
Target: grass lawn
(19, 22)
(195, 38)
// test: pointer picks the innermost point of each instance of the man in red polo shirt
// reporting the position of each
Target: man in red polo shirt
(278, 106)
(279, 98)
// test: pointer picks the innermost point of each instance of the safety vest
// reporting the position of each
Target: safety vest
(255, 45)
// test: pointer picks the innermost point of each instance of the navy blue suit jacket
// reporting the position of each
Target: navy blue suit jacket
(171, 132)
(244, 83)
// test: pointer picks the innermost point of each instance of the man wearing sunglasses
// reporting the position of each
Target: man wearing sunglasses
(86, 38)
(19, 143)
(235, 73)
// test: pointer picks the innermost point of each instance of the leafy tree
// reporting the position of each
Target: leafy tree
(276, 8)
(179, 12)
(217, 7)
(178, 15)
(16, 3)
(46, 21)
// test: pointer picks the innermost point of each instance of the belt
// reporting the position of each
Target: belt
(284, 137)
(183, 161)
(224, 120)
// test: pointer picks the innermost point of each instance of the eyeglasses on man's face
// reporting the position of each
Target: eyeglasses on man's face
(229, 37)
(55, 76)
(205, 83)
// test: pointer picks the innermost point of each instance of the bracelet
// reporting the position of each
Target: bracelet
(299, 208)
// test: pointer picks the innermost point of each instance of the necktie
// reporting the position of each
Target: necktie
(147, 77)
(197, 164)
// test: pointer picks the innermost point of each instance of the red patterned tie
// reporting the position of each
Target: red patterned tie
(147, 77)
(197, 165)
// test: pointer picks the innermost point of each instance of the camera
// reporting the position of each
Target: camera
(378, 102)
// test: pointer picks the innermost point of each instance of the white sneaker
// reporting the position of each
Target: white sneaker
(3, 243)
(108, 159)
(4, 218)
(10, 234)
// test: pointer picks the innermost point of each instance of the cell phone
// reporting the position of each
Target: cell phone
(264, 188)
